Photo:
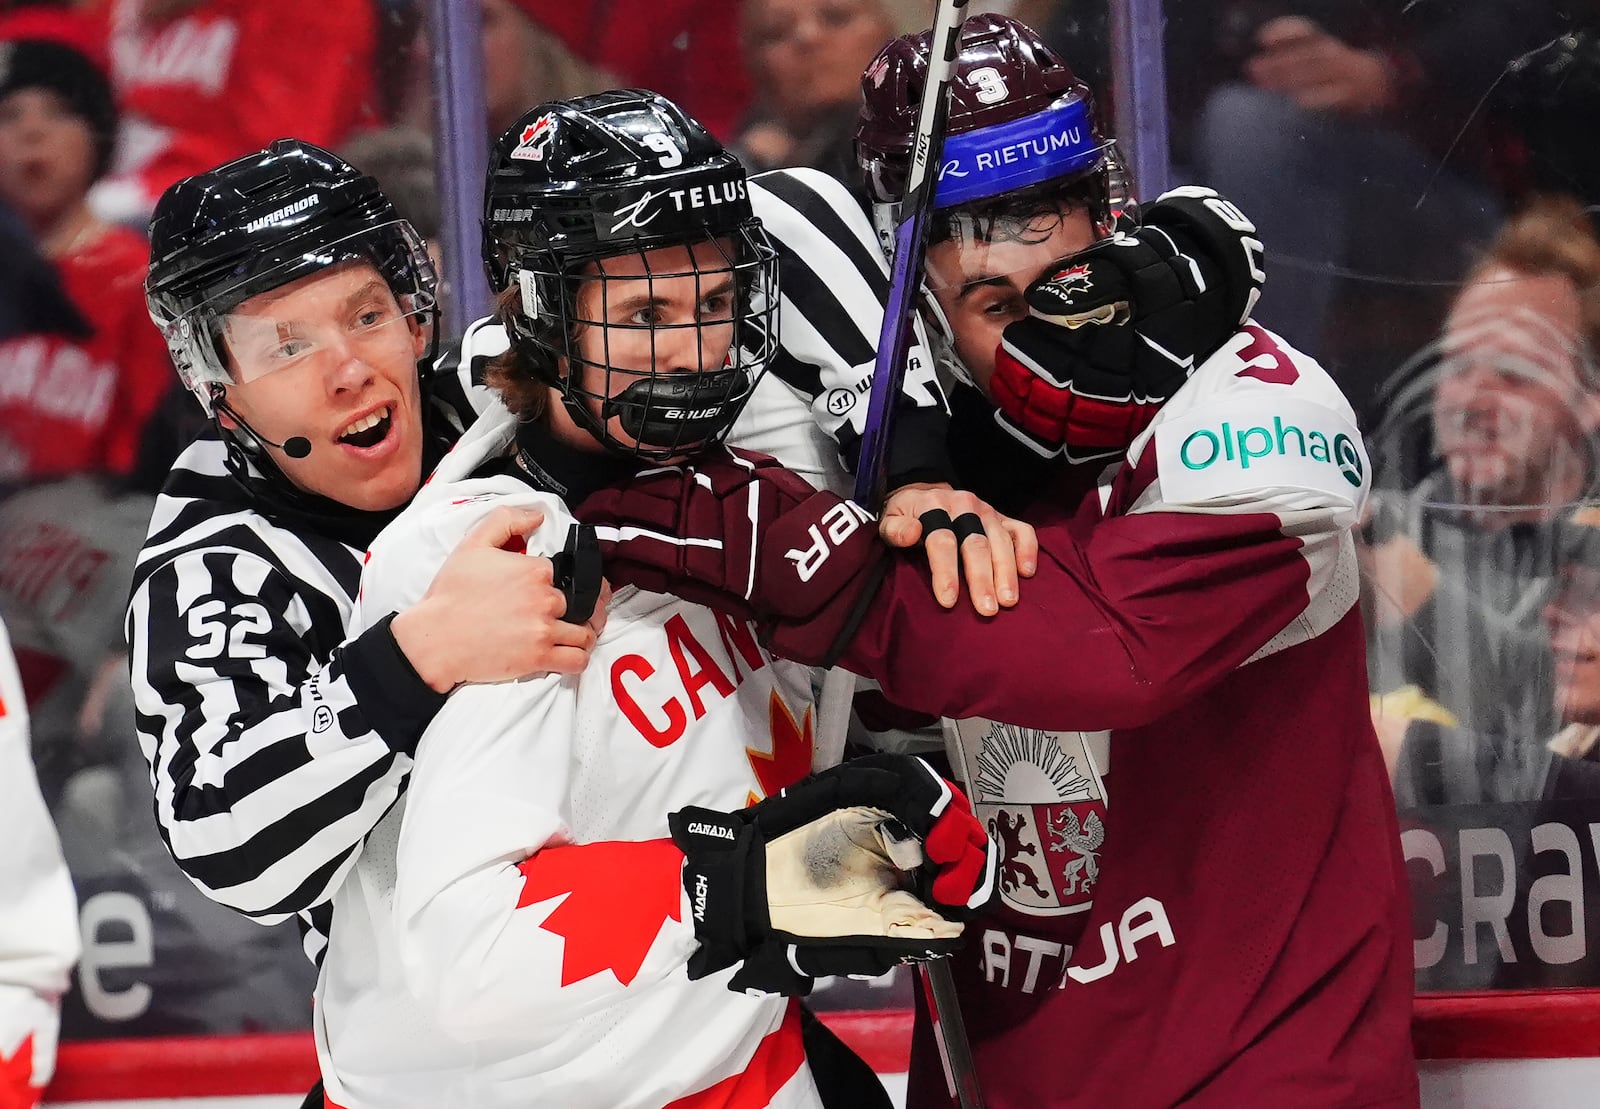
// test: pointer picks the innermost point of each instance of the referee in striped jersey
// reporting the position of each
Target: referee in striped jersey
(298, 307)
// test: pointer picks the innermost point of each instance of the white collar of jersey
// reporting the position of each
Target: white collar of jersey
(488, 437)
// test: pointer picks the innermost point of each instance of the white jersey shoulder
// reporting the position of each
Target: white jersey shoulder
(484, 338)
(1259, 426)
(406, 555)
(39, 927)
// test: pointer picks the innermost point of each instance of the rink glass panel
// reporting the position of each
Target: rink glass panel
(1419, 179)
(1373, 219)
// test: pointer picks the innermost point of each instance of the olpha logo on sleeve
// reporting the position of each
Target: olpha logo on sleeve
(1287, 443)
(1205, 448)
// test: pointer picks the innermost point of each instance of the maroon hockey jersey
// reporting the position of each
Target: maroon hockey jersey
(1204, 897)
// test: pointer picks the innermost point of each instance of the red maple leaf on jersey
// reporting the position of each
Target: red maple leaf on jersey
(791, 749)
(619, 895)
(16, 1076)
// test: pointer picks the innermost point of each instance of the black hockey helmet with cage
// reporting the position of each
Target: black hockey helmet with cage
(257, 223)
(1019, 119)
(576, 182)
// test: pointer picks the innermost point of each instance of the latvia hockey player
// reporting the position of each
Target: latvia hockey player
(1233, 929)
(572, 904)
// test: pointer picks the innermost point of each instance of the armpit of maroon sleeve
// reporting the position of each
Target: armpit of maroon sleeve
(1112, 632)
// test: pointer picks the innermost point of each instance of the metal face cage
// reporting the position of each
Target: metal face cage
(656, 350)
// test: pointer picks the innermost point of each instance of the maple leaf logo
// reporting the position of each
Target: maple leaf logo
(618, 898)
(534, 139)
(16, 1071)
(791, 749)
(1073, 279)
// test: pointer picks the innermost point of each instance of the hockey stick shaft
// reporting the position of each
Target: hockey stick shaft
(894, 345)
(910, 254)
(894, 336)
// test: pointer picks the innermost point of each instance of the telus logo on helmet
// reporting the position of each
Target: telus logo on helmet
(640, 215)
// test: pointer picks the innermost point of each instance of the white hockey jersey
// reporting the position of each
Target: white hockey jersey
(515, 931)
(39, 917)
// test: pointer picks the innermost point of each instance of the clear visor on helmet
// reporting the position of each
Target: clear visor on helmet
(660, 349)
(364, 297)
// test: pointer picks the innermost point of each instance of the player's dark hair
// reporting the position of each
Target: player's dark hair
(1023, 216)
(522, 388)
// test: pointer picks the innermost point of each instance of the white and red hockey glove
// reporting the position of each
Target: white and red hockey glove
(736, 531)
(811, 882)
(1115, 330)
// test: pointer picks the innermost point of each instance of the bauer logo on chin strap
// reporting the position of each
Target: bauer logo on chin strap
(1041, 797)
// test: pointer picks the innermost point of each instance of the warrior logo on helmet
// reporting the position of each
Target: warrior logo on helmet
(535, 139)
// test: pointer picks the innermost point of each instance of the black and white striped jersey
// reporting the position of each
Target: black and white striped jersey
(276, 741)
(834, 280)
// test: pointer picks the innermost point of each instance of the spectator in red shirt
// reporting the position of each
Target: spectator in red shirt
(204, 81)
(687, 50)
(57, 21)
(71, 402)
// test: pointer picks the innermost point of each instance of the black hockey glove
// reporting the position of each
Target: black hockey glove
(577, 572)
(808, 883)
(1115, 330)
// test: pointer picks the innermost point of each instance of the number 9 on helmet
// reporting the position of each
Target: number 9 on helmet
(631, 272)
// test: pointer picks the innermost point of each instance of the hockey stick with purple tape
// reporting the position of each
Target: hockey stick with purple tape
(910, 254)
(894, 345)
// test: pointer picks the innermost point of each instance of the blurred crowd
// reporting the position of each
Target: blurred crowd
(1422, 175)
